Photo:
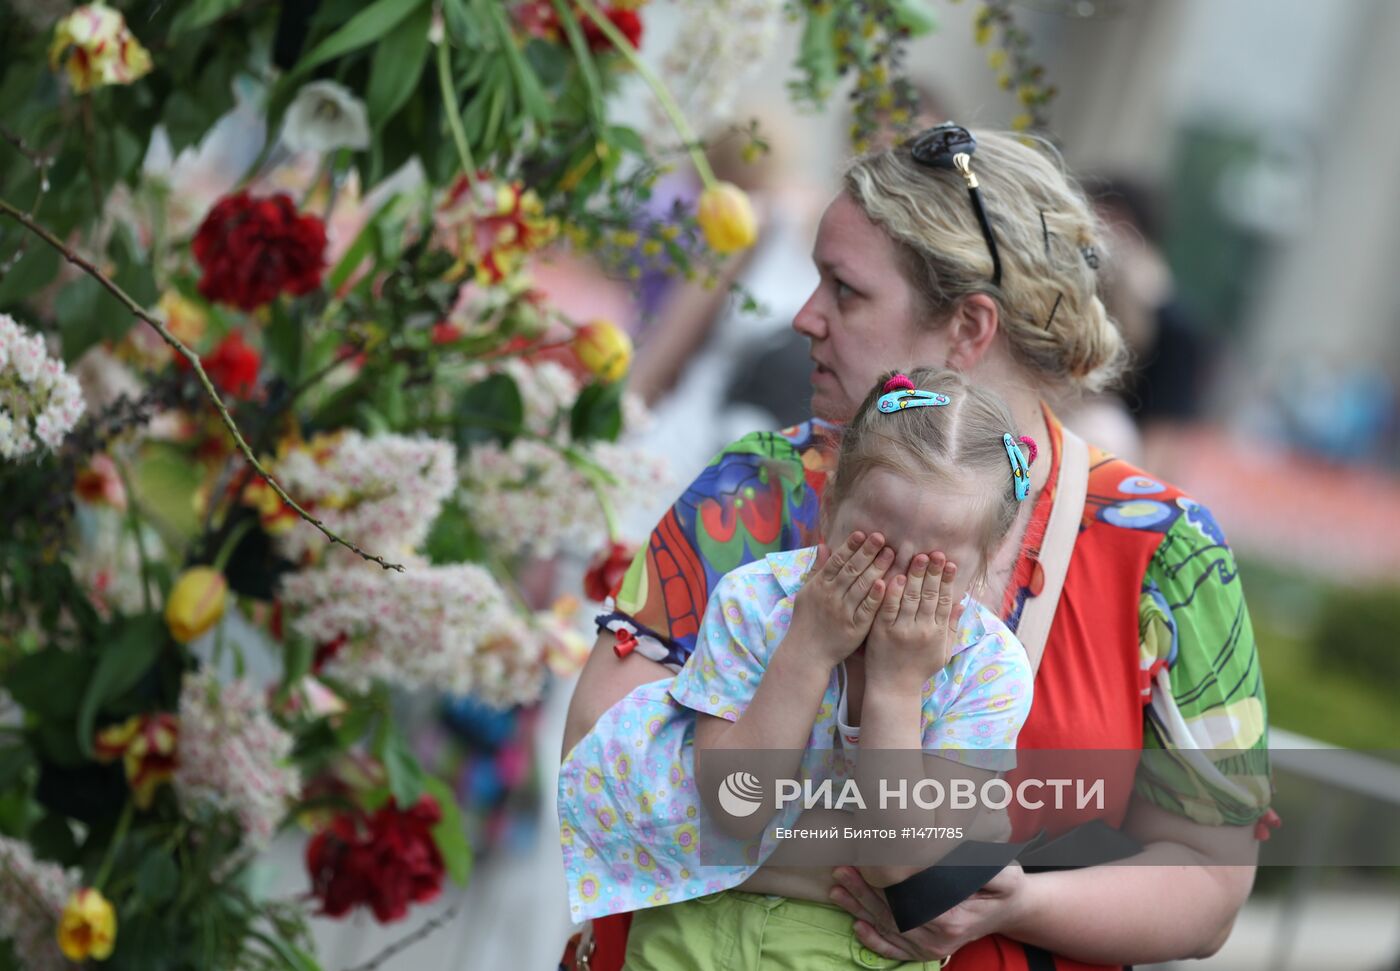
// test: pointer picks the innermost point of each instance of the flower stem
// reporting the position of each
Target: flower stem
(454, 117)
(231, 543)
(135, 522)
(123, 824)
(658, 89)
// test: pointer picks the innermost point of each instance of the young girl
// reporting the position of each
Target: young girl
(814, 649)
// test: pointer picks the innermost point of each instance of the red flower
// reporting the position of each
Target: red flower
(253, 249)
(445, 332)
(233, 367)
(606, 571)
(627, 22)
(385, 862)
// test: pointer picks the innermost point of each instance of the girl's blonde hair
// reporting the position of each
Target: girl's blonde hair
(954, 445)
(1046, 234)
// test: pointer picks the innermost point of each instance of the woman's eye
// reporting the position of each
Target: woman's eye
(842, 290)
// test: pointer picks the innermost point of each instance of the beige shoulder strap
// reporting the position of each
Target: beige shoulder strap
(1060, 533)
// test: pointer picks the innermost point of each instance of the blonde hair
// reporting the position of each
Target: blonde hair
(934, 446)
(1047, 236)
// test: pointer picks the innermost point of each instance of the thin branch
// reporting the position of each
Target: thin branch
(193, 360)
(441, 920)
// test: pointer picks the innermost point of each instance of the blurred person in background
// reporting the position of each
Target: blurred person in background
(1150, 646)
(687, 355)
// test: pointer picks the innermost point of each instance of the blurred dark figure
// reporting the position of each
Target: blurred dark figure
(1172, 356)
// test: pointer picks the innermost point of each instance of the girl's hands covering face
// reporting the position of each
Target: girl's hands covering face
(833, 611)
(915, 628)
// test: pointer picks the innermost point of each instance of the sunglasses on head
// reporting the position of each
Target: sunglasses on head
(951, 146)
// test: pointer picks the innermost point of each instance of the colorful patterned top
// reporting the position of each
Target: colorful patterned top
(629, 841)
(1151, 647)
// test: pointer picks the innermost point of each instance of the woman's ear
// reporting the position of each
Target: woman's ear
(971, 331)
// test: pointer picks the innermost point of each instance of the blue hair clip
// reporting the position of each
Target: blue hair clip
(907, 398)
(1020, 471)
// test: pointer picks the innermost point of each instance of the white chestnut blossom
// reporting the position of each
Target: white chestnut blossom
(323, 117)
(381, 493)
(40, 401)
(233, 757)
(32, 897)
(530, 498)
(448, 627)
(718, 51)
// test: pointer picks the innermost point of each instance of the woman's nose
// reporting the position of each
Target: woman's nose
(808, 321)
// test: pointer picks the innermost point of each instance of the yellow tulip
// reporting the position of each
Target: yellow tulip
(103, 50)
(604, 349)
(196, 603)
(727, 218)
(88, 928)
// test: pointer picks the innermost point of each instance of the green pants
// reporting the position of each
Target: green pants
(739, 931)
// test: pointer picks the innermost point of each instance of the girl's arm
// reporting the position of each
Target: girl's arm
(604, 681)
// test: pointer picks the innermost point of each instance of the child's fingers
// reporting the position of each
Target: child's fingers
(894, 598)
(933, 583)
(865, 611)
(838, 557)
(859, 563)
(914, 589)
(945, 594)
(861, 585)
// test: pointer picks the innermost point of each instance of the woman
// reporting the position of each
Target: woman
(1151, 646)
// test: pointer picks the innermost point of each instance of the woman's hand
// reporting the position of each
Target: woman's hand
(915, 629)
(832, 613)
(994, 907)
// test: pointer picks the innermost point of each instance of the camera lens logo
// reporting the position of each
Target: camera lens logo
(740, 794)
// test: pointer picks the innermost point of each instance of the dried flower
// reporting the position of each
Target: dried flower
(323, 117)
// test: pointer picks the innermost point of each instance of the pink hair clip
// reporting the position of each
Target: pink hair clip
(899, 382)
(1029, 442)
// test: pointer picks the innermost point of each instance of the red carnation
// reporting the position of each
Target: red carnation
(606, 571)
(233, 367)
(384, 862)
(627, 22)
(253, 249)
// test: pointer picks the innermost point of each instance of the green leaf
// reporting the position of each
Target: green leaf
(200, 13)
(453, 539)
(44, 683)
(450, 833)
(292, 956)
(157, 879)
(914, 16)
(397, 66)
(365, 243)
(120, 665)
(491, 409)
(35, 269)
(597, 413)
(366, 27)
(14, 762)
(283, 343)
(406, 777)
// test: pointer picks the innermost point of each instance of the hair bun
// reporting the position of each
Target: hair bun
(898, 382)
(1029, 442)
